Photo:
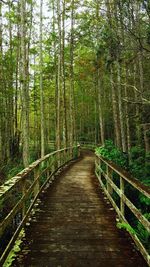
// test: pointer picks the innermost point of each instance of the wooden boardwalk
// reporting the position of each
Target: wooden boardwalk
(75, 226)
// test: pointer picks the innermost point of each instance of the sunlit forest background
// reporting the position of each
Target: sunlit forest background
(74, 71)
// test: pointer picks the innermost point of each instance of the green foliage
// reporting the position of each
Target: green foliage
(15, 250)
(139, 161)
(12, 168)
(144, 200)
(127, 227)
(140, 164)
(142, 233)
(75, 152)
(110, 152)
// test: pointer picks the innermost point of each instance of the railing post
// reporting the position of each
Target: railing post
(36, 177)
(59, 159)
(71, 153)
(23, 194)
(48, 169)
(78, 148)
(109, 174)
(53, 164)
(122, 205)
(100, 166)
(68, 154)
(64, 156)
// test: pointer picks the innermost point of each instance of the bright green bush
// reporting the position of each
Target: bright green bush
(140, 164)
(111, 152)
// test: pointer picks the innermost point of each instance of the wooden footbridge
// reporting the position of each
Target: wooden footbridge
(56, 213)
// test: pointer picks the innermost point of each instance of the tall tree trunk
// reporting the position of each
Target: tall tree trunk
(58, 86)
(113, 92)
(137, 109)
(24, 89)
(146, 130)
(99, 80)
(65, 134)
(72, 76)
(41, 82)
(1, 79)
(122, 75)
(16, 85)
(101, 119)
(120, 104)
(115, 112)
(10, 116)
(127, 114)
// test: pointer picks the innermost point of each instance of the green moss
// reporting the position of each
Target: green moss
(127, 227)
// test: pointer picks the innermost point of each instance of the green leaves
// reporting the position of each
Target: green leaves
(139, 164)
(143, 233)
(15, 250)
(139, 167)
(110, 152)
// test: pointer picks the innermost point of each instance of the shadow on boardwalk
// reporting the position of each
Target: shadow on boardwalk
(74, 225)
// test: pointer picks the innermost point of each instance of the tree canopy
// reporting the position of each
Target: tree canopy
(73, 71)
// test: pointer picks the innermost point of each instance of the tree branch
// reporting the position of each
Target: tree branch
(145, 101)
(136, 102)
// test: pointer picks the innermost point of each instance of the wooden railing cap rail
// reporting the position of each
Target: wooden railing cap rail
(8, 185)
(144, 189)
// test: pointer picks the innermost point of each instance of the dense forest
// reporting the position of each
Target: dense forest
(73, 71)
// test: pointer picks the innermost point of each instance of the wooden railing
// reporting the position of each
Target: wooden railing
(88, 145)
(105, 172)
(19, 194)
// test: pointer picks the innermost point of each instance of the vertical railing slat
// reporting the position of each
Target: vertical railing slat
(36, 177)
(109, 174)
(122, 205)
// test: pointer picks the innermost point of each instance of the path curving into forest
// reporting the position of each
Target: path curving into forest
(75, 226)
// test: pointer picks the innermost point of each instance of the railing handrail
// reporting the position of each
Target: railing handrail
(108, 188)
(32, 180)
(21, 175)
(144, 189)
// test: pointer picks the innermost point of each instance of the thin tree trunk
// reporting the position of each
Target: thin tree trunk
(65, 134)
(113, 92)
(1, 102)
(120, 104)
(101, 119)
(146, 130)
(24, 89)
(99, 78)
(41, 82)
(72, 76)
(115, 112)
(58, 87)
(127, 115)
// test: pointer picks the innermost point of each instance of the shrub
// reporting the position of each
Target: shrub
(111, 152)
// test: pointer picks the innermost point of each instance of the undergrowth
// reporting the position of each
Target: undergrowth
(138, 165)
